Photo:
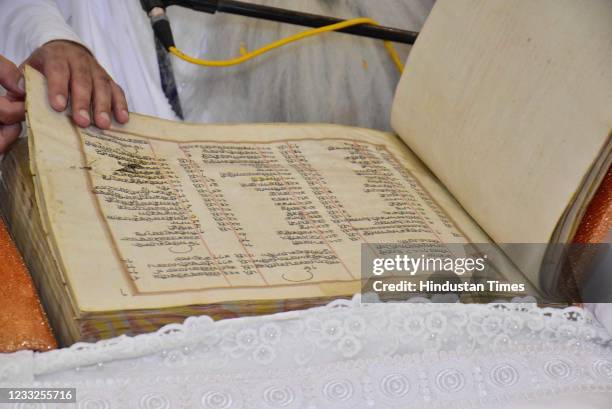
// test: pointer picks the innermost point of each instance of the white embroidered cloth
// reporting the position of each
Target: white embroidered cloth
(346, 355)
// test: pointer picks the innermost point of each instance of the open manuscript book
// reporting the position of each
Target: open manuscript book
(502, 135)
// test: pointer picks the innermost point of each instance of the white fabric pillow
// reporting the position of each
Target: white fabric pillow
(603, 313)
(348, 355)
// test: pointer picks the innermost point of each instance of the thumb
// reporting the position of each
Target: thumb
(11, 78)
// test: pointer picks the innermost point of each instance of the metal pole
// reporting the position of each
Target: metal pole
(294, 17)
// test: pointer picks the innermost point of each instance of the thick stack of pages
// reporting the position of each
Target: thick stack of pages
(128, 229)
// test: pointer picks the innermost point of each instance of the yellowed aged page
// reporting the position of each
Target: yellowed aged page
(157, 213)
(509, 103)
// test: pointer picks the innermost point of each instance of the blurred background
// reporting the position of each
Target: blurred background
(332, 78)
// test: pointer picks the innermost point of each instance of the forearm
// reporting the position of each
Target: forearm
(28, 24)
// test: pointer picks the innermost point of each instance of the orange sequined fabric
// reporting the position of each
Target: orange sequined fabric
(593, 229)
(23, 324)
(597, 221)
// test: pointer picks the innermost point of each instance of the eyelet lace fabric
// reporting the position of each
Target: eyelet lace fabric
(348, 354)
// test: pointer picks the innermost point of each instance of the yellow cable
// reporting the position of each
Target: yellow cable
(296, 37)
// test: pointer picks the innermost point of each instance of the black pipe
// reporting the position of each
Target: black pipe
(293, 17)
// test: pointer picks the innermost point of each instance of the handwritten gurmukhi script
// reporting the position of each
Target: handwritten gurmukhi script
(220, 214)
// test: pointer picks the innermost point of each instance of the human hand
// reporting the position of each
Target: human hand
(12, 107)
(72, 72)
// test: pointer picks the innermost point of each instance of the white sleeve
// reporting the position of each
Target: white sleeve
(27, 24)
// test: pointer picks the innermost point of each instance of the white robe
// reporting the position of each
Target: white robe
(117, 32)
(333, 78)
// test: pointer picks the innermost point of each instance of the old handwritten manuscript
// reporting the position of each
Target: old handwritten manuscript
(160, 215)
(129, 229)
(218, 214)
